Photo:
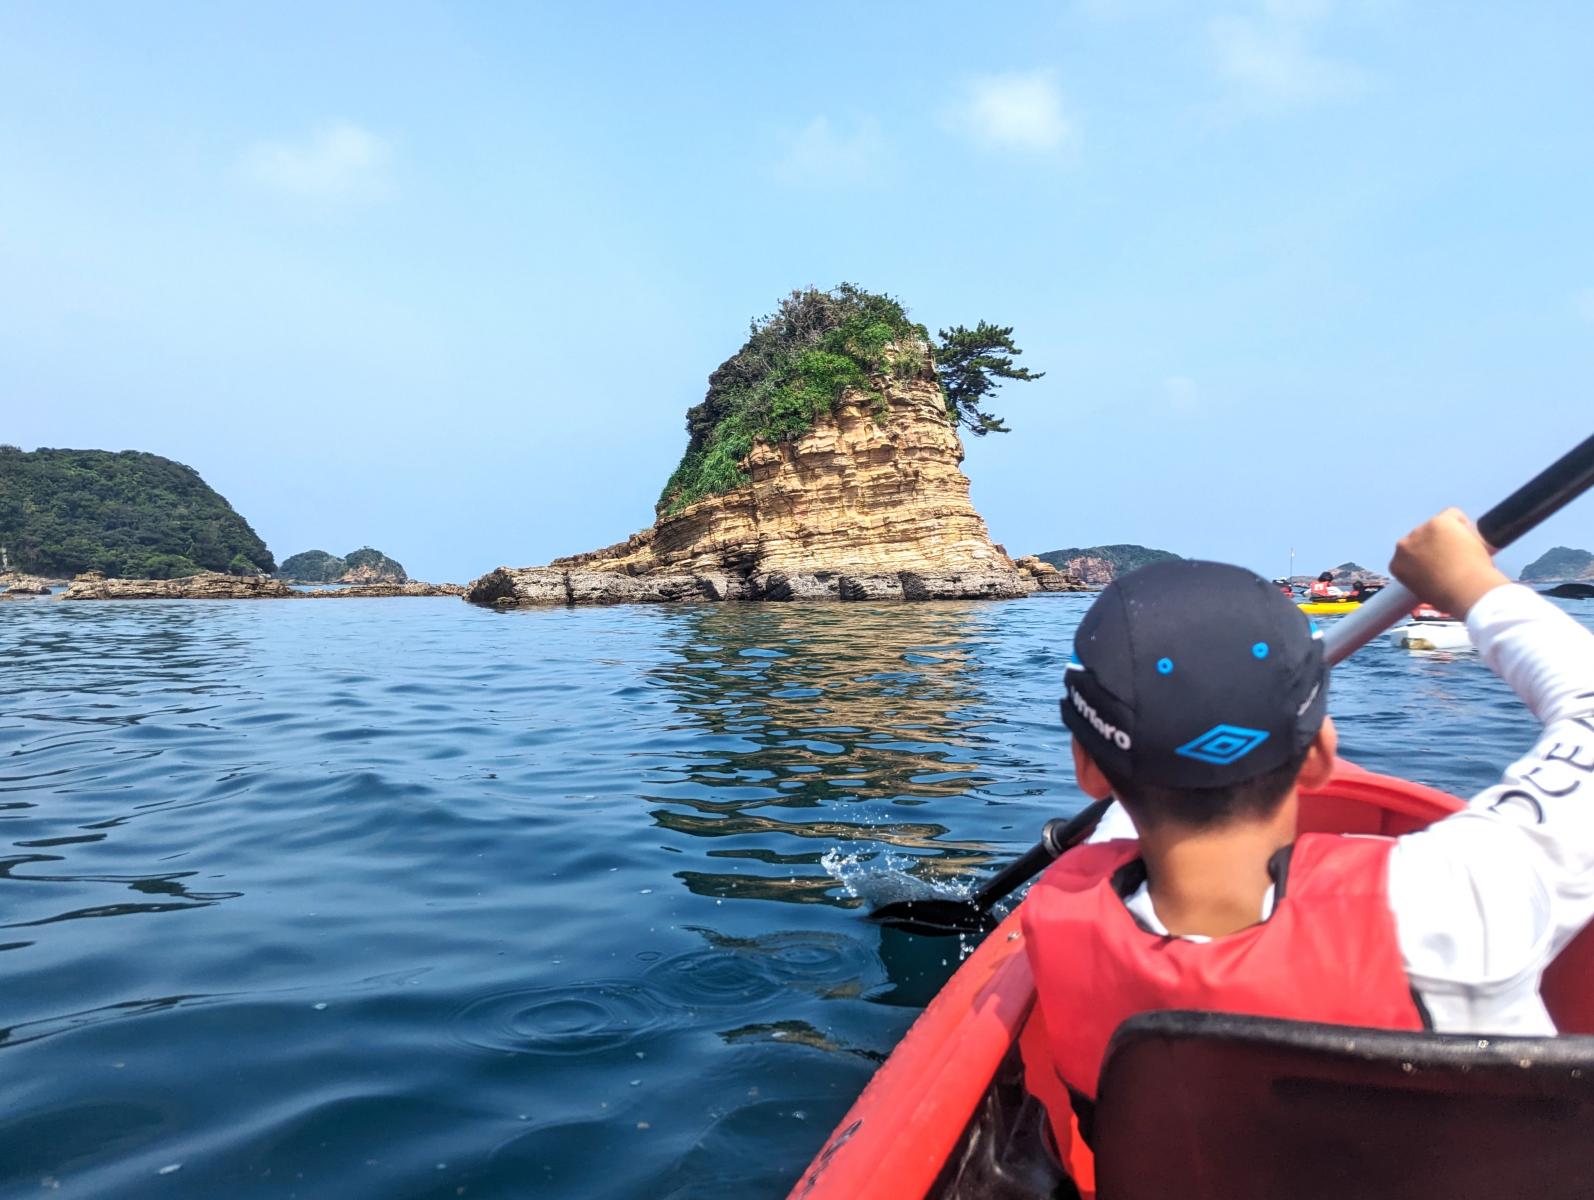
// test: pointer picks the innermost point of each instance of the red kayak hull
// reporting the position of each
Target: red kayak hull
(895, 1141)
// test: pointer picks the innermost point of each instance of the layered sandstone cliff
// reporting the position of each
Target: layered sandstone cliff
(868, 504)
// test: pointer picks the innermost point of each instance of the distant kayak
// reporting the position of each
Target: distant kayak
(1328, 608)
(1431, 635)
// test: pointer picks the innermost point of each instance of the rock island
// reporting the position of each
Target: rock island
(824, 464)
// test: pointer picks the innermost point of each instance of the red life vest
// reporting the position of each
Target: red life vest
(1328, 953)
(1320, 589)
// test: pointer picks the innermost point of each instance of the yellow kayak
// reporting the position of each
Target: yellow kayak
(1328, 608)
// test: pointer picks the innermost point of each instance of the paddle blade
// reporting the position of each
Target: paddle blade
(934, 918)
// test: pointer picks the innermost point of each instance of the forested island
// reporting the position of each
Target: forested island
(126, 513)
(364, 565)
(1100, 565)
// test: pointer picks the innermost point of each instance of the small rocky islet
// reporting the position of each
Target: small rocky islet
(823, 464)
(1560, 564)
(869, 504)
(362, 566)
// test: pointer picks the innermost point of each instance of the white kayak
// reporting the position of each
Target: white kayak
(1430, 635)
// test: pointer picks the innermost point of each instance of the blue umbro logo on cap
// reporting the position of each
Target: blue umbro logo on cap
(1223, 744)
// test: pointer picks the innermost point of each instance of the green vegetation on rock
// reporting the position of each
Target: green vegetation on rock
(317, 566)
(312, 566)
(1121, 558)
(129, 514)
(1562, 562)
(373, 562)
(798, 362)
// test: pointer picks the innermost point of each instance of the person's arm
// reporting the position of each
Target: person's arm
(1544, 802)
(1485, 898)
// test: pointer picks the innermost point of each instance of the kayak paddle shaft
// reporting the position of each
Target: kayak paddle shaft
(1536, 500)
(1541, 497)
(1056, 836)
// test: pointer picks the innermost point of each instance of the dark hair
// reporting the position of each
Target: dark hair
(1206, 808)
(1325, 577)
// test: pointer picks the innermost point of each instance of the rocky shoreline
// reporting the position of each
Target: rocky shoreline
(14, 585)
(237, 587)
(412, 587)
(514, 587)
(549, 586)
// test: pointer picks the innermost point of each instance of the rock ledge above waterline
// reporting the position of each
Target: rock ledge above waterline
(237, 587)
(13, 584)
(514, 587)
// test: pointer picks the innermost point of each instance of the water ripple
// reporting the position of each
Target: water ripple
(566, 1018)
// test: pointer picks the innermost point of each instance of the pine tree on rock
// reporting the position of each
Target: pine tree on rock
(970, 363)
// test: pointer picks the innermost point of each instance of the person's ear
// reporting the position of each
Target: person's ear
(1319, 764)
(1091, 781)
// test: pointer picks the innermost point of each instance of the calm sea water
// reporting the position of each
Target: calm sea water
(404, 898)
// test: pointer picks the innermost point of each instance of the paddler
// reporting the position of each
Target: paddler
(1324, 587)
(1203, 719)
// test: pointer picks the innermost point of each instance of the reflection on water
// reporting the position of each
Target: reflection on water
(796, 1033)
(422, 900)
(817, 711)
(821, 703)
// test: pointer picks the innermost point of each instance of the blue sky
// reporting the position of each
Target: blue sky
(444, 279)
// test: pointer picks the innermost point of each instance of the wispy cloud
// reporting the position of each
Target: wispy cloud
(339, 162)
(1022, 111)
(1268, 58)
(821, 155)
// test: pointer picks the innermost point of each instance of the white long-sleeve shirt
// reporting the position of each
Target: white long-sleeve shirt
(1485, 898)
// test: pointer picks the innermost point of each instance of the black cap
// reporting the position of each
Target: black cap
(1194, 674)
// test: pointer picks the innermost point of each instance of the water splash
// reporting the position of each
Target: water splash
(885, 878)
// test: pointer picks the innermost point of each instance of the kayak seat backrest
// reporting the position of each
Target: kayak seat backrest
(1201, 1105)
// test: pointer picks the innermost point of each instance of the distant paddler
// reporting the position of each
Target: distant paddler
(1327, 600)
(1324, 587)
